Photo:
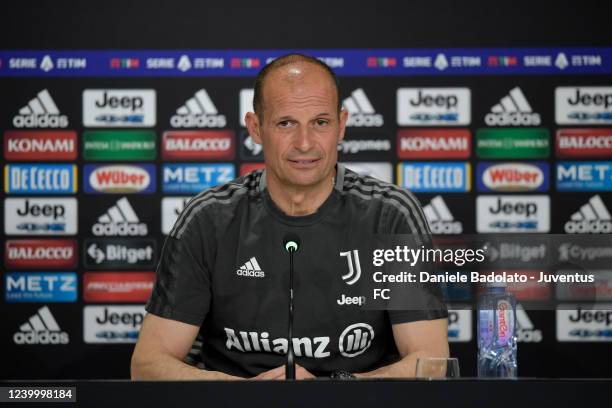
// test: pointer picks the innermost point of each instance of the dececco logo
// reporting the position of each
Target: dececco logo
(40, 112)
(513, 110)
(592, 218)
(361, 112)
(198, 111)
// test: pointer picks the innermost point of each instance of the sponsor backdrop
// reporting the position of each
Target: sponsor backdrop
(102, 151)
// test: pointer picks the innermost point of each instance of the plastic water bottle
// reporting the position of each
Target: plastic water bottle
(497, 333)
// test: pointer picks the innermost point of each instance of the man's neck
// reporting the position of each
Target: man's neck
(299, 201)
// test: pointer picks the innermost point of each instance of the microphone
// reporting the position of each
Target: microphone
(291, 243)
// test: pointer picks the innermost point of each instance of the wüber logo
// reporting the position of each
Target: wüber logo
(119, 108)
(41, 328)
(40, 253)
(40, 178)
(119, 179)
(513, 176)
(198, 111)
(40, 145)
(40, 216)
(583, 105)
(592, 218)
(360, 110)
(513, 110)
(198, 145)
(433, 106)
(434, 144)
(120, 220)
(40, 112)
(440, 219)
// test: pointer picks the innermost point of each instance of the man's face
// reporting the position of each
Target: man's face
(301, 126)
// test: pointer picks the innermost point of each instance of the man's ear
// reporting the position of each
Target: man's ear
(252, 123)
(343, 120)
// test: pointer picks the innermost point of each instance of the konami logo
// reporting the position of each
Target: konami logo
(434, 144)
(117, 286)
(40, 145)
(40, 253)
(195, 145)
(119, 179)
(513, 177)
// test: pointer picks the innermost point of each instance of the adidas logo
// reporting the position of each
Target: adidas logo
(120, 219)
(592, 218)
(41, 328)
(251, 269)
(200, 112)
(440, 219)
(513, 110)
(40, 112)
(526, 332)
(361, 112)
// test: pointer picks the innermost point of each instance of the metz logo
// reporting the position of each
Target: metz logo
(433, 106)
(583, 105)
(592, 218)
(513, 177)
(40, 145)
(198, 112)
(513, 110)
(117, 179)
(121, 220)
(41, 328)
(40, 112)
(119, 108)
(440, 219)
(361, 112)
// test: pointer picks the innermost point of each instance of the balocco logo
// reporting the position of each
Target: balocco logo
(355, 339)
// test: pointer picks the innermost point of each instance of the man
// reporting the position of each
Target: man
(223, 270)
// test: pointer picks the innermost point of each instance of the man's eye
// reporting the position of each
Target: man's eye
(284, 123)
(322, 122)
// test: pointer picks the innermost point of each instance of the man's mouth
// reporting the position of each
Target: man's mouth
(304, 163)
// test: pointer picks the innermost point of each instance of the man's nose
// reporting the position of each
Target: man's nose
(304, 138)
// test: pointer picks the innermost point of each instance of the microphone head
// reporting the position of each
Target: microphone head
(291, 242)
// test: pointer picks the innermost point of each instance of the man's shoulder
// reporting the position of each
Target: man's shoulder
(369, 188)
(214, 202)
